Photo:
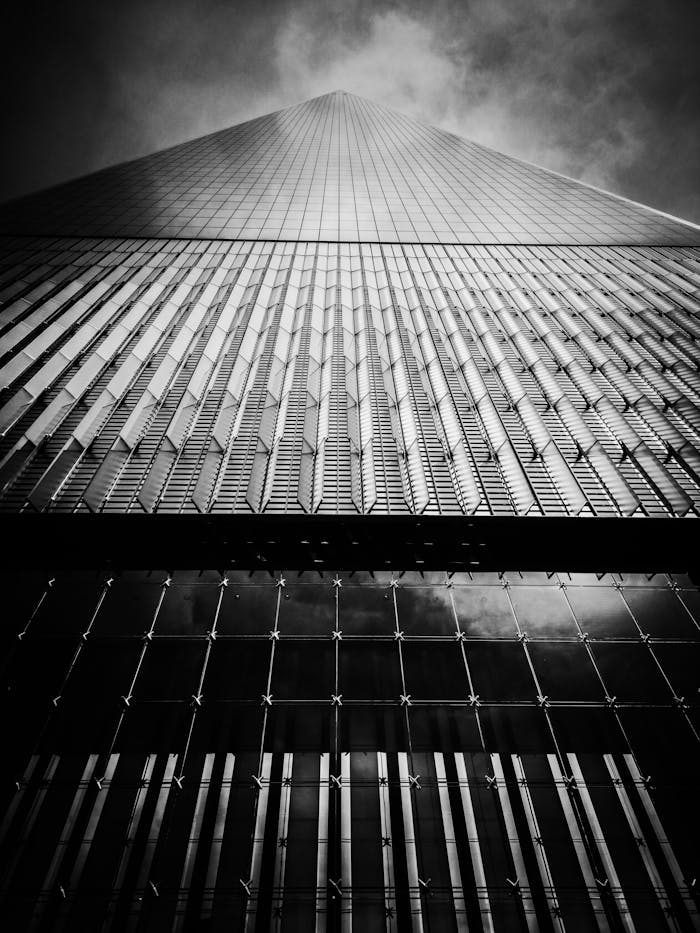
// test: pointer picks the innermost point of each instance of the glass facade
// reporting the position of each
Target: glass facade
(362, 751)
(334, 337)
(339, 168)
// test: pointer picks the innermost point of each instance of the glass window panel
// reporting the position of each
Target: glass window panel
(681, 664)
(128, 608)
(425, 610)
(691, 598)
(22, 592)
(292, 728)
(188, 609)
(69, 605)
(484, 611)
(38, 667)
(516, 729)
(630, 674)
(565, 671)
(601, 612)
(369, 672)
(435, 671)
(248, 610)
(445, 728)
(238, 670)
(307, 609)
(542, 612)
(663, 745)
(103, 671)
(230, 725)
(150, 728)
(170, 670)
(303, 671)
(500, 672)
(587, 729)
(373, 727)
(659, 613)
(366, 610)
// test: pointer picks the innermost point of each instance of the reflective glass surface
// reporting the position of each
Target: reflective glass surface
(347, 741)
(339, 167)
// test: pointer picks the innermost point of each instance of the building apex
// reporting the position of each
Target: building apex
(382, 176)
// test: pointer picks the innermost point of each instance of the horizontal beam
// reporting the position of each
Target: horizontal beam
(350, 542)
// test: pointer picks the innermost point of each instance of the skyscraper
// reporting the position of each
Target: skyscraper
(351, 472)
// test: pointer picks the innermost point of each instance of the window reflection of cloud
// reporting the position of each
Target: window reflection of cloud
(542, 610)
(425, 610)
(601, 612)
(483, 611)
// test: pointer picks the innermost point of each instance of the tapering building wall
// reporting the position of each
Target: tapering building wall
(303, 377)
(433, 414)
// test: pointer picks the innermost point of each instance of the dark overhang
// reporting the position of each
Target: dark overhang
(329, 542)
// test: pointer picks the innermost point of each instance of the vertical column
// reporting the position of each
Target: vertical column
(134, 822)
(102, 787)
(410, 843)
(193, 842)
(521, 881)
(218, 837)
(579, 846)
(63, 840)
(345, 845)
(281, 854)
(451, 845)
(602, 845)
(261, 780)
(663, 841)
(536, 835)
(142, 883)
(636, 831)
(29, 822)
(16, 800)
(322, 851)
(474, 847)
(387, 850)
(253, 882)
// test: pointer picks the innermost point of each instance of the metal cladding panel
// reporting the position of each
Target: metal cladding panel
(147, 375)
(339, 168)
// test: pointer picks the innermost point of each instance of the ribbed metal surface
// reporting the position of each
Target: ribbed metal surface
(340, 168)
(151, 375)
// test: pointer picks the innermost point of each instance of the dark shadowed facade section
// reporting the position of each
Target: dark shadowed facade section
(433, 415)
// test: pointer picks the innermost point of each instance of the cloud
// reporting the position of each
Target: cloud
(561, 86)
(398, 59)
(604, 90)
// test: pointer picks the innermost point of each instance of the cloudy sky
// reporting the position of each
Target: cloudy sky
(604, 90)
